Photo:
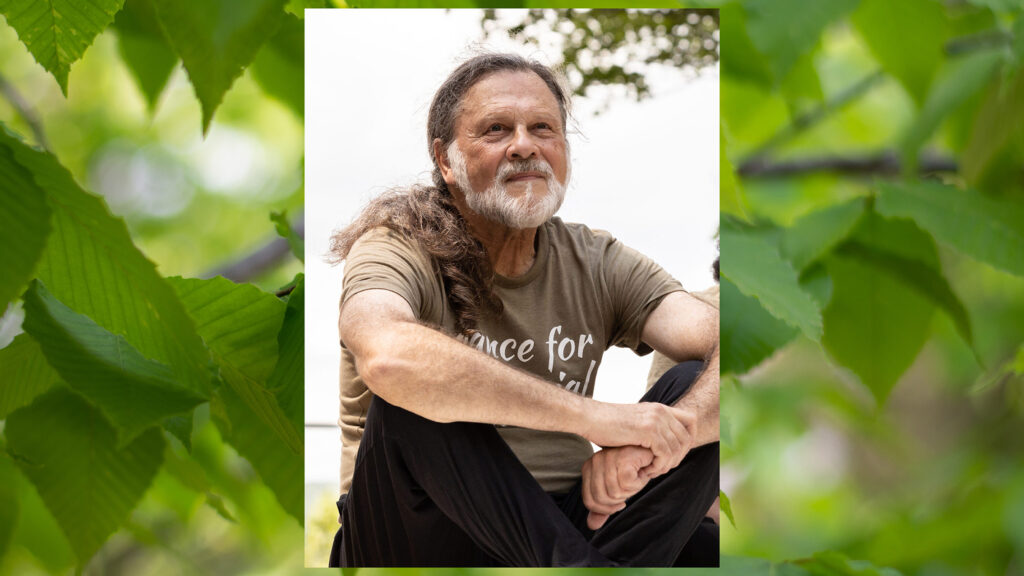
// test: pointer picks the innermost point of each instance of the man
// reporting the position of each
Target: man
(480, 454)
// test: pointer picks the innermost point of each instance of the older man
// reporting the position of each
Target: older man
(473, 324)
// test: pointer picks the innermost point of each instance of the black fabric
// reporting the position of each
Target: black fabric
(431, 494)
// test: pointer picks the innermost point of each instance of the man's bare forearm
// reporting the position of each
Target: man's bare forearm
(702, 400)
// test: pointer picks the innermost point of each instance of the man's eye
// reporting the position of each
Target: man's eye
(495, 128)
(544, 126)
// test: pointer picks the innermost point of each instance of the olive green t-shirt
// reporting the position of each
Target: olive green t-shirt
(584, 293)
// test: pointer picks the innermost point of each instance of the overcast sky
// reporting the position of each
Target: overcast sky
(647, 172)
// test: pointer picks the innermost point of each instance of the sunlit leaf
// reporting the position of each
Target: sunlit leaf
(784, 30)
(744, 61)
(731, 198)
(987, 229)
(875, 324)
(216, 40)
(288, 380)
(286, 231)
(26, 374)
(144, 48)
(726, 507)
(1000, 118)
(57, 32)
(9, 506)
(279, 65)
(814, 234)
(298, 7)
(88, 484)
(93, 267)
(884, 26)
(757, 269)
(24, 225)
(749, 334)
(133, 392)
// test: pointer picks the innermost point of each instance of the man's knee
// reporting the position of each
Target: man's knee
(674, 383)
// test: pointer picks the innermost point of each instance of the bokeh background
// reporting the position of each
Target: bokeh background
(872, 238)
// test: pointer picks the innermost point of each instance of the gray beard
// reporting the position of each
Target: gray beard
(497, 205)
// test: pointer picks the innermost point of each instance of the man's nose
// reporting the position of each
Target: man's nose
(523, 145)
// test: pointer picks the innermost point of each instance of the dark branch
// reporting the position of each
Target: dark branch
(259, 261)
(885, 163)
(25, 110)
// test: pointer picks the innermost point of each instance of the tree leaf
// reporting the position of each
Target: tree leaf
(875, 324)
(757, 270)
(783, 30)
(91, 265)
(987, 229)
(744, 61)
(144, 48)
(286, 231)
(884, 27)
(964, 78)
(9, 505)
(57, 32)
(134, 393)
(298, 7)
(925, 279)
(726, 507)
(279, 66)
(749, 334)
(88, 484)
(24, 226)
(732, 199)
(288, 380)
(26, 374)
(814, 234)
(1001, 116)
(216, 40)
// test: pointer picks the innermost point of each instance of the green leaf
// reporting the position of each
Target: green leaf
(987, 229)
(26, 374)
(57, 32)
(964, 78)
(288, 380)
(279, 66)
(784, 30)
(216, 40)
(749, 334)
(726, 507)
(732, 200)
(885, 26)
(91, 265)
(875, 324)
(925, 279)
(757, 269)
(297, 7)
(144, 48)
(744, 61)
(24, 226)
(1001, 117)
(134, 393)
(831, 563)
(286, 231)
(814, 235)
(88, 484)
(9, 505)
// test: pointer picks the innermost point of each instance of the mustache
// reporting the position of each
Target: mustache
(508, 169)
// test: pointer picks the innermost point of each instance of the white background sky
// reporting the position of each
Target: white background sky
(646, 172)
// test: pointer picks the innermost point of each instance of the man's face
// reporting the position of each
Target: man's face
(509, 155)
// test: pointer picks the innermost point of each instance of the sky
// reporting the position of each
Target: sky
(646, 172)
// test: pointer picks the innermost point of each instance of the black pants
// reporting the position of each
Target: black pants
(431, 494)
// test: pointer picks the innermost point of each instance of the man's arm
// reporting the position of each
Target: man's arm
(439, 378)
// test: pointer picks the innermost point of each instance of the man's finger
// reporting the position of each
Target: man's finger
(595, 520)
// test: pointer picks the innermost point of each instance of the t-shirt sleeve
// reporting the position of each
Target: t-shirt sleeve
(636, 285)
(384, 259)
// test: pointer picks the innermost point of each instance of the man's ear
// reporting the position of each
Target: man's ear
(441, 157)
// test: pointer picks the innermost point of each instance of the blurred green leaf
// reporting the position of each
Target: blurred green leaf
(875, 324)
(814, 235)
(216, 40)
(745, 62)
(57, 32)
(1000, 118)
(144, 48)
(24, 225)
(288, 379)
(726, 506)
(731, 196)
(757, 269)
(134, 393)
(987, 229)
(69, 452)
(285, 230)
(9, 508)
(836, 564)
(749, 334)
(784, 30)
(93, 267)
(279, 66)
(801, 87)
(884, 27)
(298, 7)
(26, 374)
(962, 79)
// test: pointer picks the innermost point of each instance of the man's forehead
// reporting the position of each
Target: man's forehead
(510, 91)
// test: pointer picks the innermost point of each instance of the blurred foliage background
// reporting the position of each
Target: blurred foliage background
(872, 191)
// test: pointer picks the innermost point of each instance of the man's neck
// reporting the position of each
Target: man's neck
(511, 251)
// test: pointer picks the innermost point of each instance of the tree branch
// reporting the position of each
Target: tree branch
(885, 163)
(25, 110)
(260, 260)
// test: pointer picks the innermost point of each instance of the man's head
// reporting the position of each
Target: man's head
(496, 130)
